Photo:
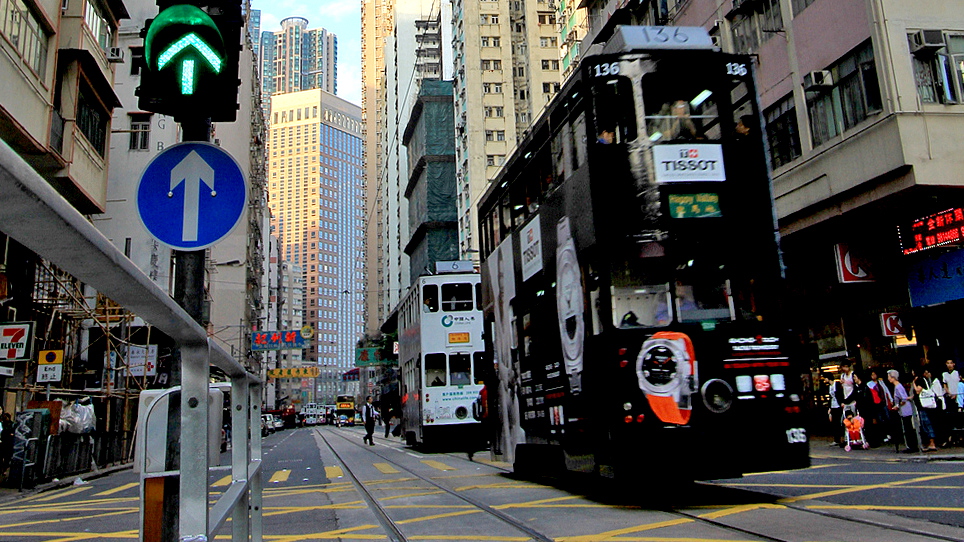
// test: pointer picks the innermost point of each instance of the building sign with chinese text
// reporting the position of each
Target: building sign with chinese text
(939, 229)
(365, 357)
(706, 204)
(294, 372)
(278, 340)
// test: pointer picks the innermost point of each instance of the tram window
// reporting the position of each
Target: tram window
(701, 291)
(430, 298)
(457, 297)
(679, 108)
(640, 290)
(478, 367)
(478, 296)
(460, 367)
(434, 370)
(615, 111)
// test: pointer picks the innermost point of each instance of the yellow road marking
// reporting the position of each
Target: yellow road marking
(740, 509)
(280, 476)
(226, 481)
(500, 485)
(385, 468)
(63, 520)
(437, 464)
(419, 494)
(628, 530)
(116, 489)
(889, 508)
(439, 516)
(333, 472)
(66, 493)
(867, 487)
(71, 537)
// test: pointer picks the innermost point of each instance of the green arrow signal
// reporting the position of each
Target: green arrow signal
(187, 65)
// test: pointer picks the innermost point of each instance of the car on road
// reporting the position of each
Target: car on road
(267, 424)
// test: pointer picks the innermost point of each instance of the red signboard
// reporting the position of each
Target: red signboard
(851, 267)
(938, 229)
(891, 325)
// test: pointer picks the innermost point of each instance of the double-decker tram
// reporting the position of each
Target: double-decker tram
(632, 276)
(440, 356)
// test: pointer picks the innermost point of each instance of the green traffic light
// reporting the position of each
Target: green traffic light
(183, 17)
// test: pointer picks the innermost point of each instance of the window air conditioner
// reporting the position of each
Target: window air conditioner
(115, 54)
(926, 41)
(818, 80)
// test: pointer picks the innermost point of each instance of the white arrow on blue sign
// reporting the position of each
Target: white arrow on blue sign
(191, 195)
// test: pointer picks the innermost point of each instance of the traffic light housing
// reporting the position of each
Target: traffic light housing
(191, 55)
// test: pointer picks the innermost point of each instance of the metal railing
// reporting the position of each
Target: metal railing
(34, 214)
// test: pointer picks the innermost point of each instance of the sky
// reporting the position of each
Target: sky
(343, 17)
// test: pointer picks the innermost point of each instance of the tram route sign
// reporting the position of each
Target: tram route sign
(191, 195)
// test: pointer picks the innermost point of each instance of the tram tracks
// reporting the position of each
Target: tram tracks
(756, 530)
(391, 527)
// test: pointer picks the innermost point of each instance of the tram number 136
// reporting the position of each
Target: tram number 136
(796, 435)
(603, 70)
(736, 68)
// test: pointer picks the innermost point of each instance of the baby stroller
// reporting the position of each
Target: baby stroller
(854, 430)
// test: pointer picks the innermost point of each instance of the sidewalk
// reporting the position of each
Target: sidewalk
(822, 448)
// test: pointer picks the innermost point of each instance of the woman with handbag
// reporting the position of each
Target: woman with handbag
(929, 406)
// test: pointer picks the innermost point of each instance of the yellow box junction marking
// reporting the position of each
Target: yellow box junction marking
(226, 481)
(831, 493)
(334, 472)
(116, 489)
(279, 476)
(385, 468)
(66, 493)
(437, 464)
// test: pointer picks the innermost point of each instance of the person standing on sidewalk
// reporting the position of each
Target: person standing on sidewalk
(905, 410)
(368, 416)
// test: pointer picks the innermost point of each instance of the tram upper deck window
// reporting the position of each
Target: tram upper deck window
(615, 111)
(679, 108)
(434, 370)
(457, 297)
(430, 298)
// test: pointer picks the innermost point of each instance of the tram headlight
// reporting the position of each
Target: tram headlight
(627, 406)
(461, 413)
(717, 395)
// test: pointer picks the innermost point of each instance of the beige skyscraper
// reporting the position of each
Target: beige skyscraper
(315, 181)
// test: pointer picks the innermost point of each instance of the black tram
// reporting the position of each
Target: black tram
(632, 275)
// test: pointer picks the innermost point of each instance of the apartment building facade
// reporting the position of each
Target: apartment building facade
(861, 102)
(506, 69)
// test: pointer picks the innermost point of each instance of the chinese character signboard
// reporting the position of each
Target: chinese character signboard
(278, 340)
(365, 357)
(294, 372)
(702, 205)
(16, 341)
(939, 229)
(50, 365)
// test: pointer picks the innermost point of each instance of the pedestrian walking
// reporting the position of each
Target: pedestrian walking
(368, 416)
(905, 410)
(929, 401)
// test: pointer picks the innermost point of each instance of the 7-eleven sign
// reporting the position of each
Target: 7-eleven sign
(16, 341)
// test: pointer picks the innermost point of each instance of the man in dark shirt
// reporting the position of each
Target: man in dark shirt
(368, 415)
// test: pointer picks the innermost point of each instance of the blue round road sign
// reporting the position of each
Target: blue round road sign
(191, 195)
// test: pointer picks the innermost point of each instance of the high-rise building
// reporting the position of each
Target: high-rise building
(404, 41)
(254, 33)
(315, 183)
(296, 58)
(507, 67)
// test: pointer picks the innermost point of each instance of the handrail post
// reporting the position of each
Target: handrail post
(193, 505)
